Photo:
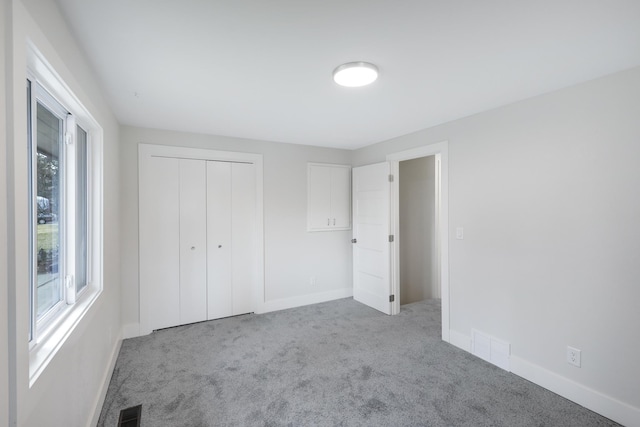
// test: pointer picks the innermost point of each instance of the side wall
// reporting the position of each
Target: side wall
(546, 190)
(292, 255)
(71, 386)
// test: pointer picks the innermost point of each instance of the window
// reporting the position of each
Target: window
(58, 189)
(65, 223)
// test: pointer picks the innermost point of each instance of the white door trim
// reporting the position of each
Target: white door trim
(147, 151)
(441, 151)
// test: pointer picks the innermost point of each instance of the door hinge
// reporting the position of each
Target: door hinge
(390, 178)
(392, 298)
(390, 238)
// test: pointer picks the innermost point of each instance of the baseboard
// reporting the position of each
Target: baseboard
(130, 330)
(604, 405)
(284, 303)
(460, 340)
(607, 406)
(106, 379)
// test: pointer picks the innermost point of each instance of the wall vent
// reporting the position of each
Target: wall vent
(491, 349)
(130, 417)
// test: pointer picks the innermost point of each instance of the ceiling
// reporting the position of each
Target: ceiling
(262, 69)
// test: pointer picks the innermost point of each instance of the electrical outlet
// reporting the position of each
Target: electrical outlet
(573, 356)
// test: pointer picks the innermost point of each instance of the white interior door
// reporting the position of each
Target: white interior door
(160, 242)
(243, 227)
(371, 225)
(201, 235)
(231, 231)
(219, 291)
(193, 241)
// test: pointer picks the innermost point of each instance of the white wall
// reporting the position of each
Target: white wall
(292, 255)
(547, 192)
(4, 276)
(418, 253)
(70, 388)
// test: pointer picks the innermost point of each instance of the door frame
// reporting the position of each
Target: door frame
(145, 153)
(441, 151)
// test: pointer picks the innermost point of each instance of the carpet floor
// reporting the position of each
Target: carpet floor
(338, 363)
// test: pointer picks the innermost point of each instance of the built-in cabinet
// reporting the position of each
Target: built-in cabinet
(198, 239)
(328, 197)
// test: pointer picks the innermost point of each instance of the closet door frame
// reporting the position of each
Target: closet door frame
(148, 151)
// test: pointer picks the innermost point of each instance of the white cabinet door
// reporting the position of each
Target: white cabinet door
(328, 197)
(371, 229)
(193, 241)
(319, 197)
(341, 197)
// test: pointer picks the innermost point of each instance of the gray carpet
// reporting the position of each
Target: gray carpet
(333, 364)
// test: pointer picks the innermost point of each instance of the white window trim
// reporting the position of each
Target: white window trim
(47, 342)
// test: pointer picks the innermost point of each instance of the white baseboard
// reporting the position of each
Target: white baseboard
(602, 404)
(130, 330)
(284, 303)
(106, 379)
(607, 406)
(460, 340)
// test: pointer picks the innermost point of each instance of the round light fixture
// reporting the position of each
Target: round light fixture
(355, 74)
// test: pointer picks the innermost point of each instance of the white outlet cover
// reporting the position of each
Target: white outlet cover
(574, 357)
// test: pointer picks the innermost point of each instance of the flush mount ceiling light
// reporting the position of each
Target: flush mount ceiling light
(355, 74)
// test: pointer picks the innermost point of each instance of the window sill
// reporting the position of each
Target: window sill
(41, 354)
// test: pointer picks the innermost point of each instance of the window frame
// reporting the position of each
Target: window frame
(47, 335)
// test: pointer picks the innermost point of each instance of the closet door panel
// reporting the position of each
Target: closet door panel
(160, 241)
(193, 241)
(219, 233)
(243, 229)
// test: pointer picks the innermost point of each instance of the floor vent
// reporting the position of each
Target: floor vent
(130, 417)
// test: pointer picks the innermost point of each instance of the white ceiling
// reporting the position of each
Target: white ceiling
(262, 69)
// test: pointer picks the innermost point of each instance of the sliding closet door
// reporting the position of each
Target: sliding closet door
(173, 244)
(193, 241)
(243, 227)
(231, 219)
(220, 295)
(160, 241)
(201, 251)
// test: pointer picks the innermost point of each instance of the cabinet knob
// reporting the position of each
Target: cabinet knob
(219, 246)
(193, 248)
(354, 240)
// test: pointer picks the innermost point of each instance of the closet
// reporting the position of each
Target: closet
(198, 236)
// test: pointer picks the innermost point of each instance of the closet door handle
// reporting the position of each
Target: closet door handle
(328, 221)
(334, 221)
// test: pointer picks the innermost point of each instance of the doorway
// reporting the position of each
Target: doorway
(419, 251)
(439, 152)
